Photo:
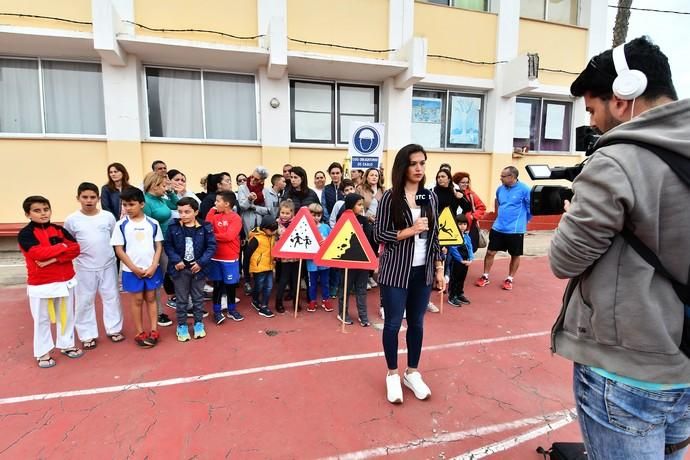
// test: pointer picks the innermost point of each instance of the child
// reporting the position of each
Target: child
(225, 270)
(289, 268)
(318, 275)
(260, 263)
(347, 187)
(48, 250)
(461, 256)
(189, 246)
(96, 268)
(138, 244)
(357, 279)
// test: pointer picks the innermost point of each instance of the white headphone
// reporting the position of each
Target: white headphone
(630, 83)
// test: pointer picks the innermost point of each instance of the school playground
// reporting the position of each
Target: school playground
(289, 388)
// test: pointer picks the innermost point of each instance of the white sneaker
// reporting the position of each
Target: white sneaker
(431, 308)
(394, 389)
(414, 382)
(368, 285)
(372, 283)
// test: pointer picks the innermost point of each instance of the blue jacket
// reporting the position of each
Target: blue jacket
(513, 208)
(455, 254)
(331, 194)
(110, 201)
(204, 247)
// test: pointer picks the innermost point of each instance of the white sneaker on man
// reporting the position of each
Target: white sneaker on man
(414, 382)
(394, 389)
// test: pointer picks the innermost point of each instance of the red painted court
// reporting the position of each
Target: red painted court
(299, 388)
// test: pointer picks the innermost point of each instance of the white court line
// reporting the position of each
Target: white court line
(552, 419)
(509, 443)
(11, 265)
(251, 370)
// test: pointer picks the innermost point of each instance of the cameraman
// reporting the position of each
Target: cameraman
(620, 322)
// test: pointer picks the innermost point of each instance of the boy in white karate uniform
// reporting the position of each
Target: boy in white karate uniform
(48, 251)
(96, 268)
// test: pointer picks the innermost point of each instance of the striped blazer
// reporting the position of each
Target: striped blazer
(395, 262)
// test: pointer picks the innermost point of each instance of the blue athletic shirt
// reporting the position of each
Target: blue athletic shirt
(513, 208)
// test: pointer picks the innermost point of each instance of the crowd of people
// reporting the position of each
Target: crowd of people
(166, 245)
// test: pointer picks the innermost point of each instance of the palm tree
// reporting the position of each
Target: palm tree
(620, 29)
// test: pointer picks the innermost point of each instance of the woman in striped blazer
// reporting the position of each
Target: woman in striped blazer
(409, 266)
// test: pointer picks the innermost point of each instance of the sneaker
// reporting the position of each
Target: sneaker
(455, 301)
(218, 318)
(381, 313)
(183, 333)
(368, 285)
(153, 338)
(507, 285)
(364, 322)
(237, 300)
(172, 302)
(482, 281)
(312, 306)
(164, 320)
(431, 308)
(394, 392)
(280, 309)
(191, 315)
(265, 312)
(414, 382)
(347, 320)
(199, 331)
(326, 305)
(464, 300)
(247, 289)
(235, 315)
(256, 305)
(142, 340)
(372, 282)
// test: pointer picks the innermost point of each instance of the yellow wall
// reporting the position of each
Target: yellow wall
(78, 10)
(236, 17)
(198, 160)
(458, 33)
(52, 168)
(565, 49)
(359, 23)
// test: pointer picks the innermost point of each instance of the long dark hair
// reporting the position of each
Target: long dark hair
(304, 185)
(398, 181)
(212, 181)
(125, 176)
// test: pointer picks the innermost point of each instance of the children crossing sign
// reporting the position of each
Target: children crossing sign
(448, 231)
(347, 246)
(301, 240)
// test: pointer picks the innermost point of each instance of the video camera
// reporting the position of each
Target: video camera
(549, 199)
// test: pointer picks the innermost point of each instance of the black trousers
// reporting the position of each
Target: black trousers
(458, 273)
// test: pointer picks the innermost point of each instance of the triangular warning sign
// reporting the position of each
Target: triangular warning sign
(448, 231)
(347, 246)
(301, 240)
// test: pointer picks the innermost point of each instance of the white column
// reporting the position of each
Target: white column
(275, 122)
(500, 116)
(123, 100)
(396, 113)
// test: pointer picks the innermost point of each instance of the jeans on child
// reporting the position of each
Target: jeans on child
(263, 283)
(187, 285)
(315, 278)
(622, 422)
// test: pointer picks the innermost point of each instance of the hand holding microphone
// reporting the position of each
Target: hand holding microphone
(422, 200)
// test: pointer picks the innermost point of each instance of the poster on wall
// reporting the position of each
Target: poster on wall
(523, 116)
(426, 121)
(464, 120)
(555, 115)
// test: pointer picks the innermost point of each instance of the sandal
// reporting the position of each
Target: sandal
(117, 337)
(89, 344)
(45, 363)
(72, 353)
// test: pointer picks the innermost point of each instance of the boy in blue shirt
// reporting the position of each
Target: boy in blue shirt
(461, 256)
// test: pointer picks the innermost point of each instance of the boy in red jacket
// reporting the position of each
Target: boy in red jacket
(48, 250)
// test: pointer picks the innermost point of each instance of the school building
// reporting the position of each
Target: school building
(219, 85)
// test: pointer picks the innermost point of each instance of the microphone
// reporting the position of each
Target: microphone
(422, 200)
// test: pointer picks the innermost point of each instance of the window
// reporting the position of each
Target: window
(51, 97)
(542, 125)
(319, 116)
(479, 5)
(564, 11)
(196, 104)
(447, 119)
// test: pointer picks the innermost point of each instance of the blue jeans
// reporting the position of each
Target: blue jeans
(414, 299)
(315, 278)
(263, 283)
(621, 422)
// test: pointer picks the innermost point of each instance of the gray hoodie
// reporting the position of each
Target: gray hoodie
(617, 313)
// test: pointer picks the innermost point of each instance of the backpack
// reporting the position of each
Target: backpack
(680, 166)
(564, 451)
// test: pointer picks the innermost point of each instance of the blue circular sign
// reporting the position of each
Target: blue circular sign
(366, 139)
